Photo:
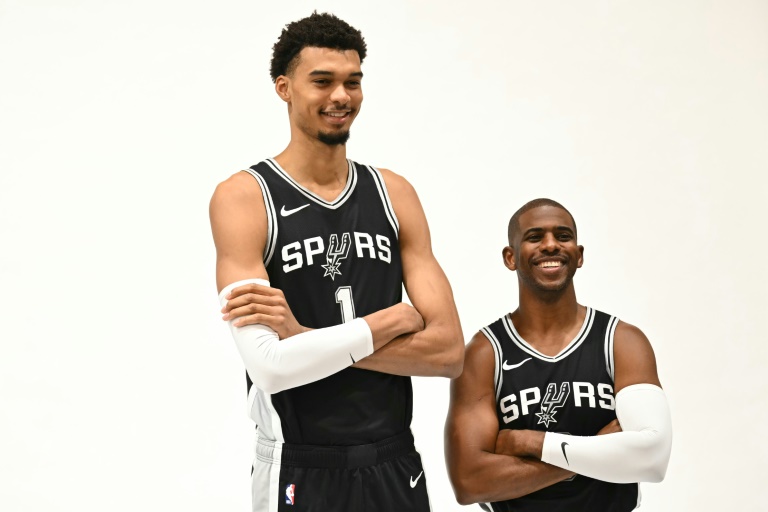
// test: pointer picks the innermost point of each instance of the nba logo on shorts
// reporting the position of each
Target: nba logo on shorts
(290, 490)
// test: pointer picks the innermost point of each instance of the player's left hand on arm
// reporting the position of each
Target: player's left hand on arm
(253, 304)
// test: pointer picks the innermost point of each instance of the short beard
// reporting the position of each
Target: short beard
(333, 139)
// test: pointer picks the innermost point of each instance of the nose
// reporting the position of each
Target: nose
(339, 95)
(549, 243)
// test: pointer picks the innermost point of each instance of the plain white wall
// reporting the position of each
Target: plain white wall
(120, 388)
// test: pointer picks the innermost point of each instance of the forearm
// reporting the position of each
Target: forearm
(309, 355)
(392, 323)
(498, 477)
(640, 453)
(438, 350)
(275, 365)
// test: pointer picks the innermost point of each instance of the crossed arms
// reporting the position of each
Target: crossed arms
(486, 465)
(425, 339)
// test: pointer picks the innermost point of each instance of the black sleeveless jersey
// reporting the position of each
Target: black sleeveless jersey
(334, 261)
(571, 393)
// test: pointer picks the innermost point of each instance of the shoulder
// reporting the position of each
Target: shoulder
(397, 185)
(479, 365)
(407, 206)
(479, 352)
(240, 190)
(631, 337)
(635, 362)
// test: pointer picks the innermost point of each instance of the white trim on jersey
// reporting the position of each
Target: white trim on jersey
(333, 205)
(609, 332)
(568, 350)
(498, 374)
(269, 246)
(277, 425)
(384, 194)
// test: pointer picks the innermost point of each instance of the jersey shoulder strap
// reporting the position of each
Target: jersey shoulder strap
(269, 247)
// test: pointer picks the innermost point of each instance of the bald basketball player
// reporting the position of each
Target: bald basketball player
(559, 407)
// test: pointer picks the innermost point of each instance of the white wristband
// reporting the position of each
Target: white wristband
(275, 365)
(640, 453)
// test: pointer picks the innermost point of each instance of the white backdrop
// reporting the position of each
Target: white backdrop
(120, 388)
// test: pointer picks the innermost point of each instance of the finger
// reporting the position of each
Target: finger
(258, 318)
(247, 309)
(248, 298)
(251, 288)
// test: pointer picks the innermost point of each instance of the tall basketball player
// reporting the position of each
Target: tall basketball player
(313, 250)
(532, 424)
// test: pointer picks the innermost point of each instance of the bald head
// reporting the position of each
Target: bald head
(513, 229)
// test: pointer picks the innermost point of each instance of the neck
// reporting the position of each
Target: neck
(311, 162)
(548, 318)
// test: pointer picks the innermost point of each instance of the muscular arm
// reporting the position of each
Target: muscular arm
(477, 472)
(438, 349)
(239, 225)
(640, 453)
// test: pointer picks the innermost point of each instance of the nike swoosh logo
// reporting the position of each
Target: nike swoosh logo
(286, 213)
(562, 447)
(352, 358)
(506, 366)
(414, 482)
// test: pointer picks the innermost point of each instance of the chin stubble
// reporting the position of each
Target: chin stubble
(333, 139)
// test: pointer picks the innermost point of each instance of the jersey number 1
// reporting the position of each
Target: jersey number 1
(344, 297)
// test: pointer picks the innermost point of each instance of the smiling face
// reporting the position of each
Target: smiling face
(544, 252)
(324, 93)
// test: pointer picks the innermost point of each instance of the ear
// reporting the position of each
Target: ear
(581, 256)
(282, 88)
(509, 258)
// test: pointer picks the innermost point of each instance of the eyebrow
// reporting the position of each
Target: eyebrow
(322, 72)
(541, 230)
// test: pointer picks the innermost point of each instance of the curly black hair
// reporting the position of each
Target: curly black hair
(317, 30)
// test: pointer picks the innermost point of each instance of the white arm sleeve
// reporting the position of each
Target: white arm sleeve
(275, 365)
(638, 454)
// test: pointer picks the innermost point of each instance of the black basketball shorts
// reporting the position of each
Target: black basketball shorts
(386, 476)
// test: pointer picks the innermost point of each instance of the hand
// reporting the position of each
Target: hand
(412, 317)
(256, 304)
(610, 428)
(520, 443)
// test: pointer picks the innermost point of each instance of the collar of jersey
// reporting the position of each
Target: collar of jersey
(340, 200)
(568, 350)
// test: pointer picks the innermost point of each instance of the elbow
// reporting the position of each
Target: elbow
(452, 368)
(454, 372)
(465, 491)
(453, 363)
(658, 471)
(469, 491)
(269, 380)
(661, 449)
(655, 460)
(471, 485)
(654, 474)
(464, 499)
